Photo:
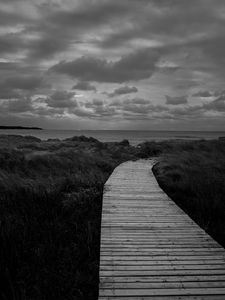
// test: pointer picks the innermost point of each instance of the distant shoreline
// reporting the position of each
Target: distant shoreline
(20, 127)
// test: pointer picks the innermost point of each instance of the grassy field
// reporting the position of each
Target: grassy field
(50, 212)
(193, 175)
(51, 198)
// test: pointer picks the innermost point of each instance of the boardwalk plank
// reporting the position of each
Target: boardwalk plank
(150, 249)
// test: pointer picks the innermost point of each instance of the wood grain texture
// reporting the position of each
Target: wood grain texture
(151, 249)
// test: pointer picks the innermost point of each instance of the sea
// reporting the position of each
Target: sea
(135, 137)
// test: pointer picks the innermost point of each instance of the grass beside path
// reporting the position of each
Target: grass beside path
(50, 212)
(195, 179)
(51, 198)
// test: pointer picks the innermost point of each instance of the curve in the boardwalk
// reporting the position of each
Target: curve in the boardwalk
(150, 249)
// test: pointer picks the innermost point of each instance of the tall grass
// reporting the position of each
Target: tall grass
(50, 206)
(50, 212)
(195, 179)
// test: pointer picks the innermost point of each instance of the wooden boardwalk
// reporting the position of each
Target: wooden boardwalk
(150, 249)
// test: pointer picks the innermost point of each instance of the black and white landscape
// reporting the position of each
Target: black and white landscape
(112, 149)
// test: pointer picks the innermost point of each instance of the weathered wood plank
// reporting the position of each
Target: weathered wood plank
(150, 249)
(162, 292)
(152, 279)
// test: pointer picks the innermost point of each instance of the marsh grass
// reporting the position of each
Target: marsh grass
(51, 198)
(50, 212)
(195, 179)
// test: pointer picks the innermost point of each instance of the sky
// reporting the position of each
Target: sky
(113, 64)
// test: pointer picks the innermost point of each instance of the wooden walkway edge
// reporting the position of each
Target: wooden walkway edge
(150, 249)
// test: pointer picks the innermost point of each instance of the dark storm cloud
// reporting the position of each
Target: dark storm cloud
(104, 111)
(98, 112)
(11, 43)
(122, 91)
(136, 101)
(16, 106)
(145, 109)
(97, 102)
(8, 18)
(6, 93)
(220, 93)
(84, 86)
(166, 18)
(203, 94)
(133, 101)
(18, 86)
(135, 66)
(90, 14)
(8, 66)
(20, 105)
(216, 105)
(138, 106)
(213, 47)
(94, 103)
(176, 100)
(62, 99)
(140, 109)
(168, 68)
(180, 42)
(46, 46)
(24, 82)
(59, 28)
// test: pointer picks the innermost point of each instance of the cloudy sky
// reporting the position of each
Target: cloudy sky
(113, 64)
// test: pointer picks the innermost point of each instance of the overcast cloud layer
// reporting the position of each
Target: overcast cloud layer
(112, 64)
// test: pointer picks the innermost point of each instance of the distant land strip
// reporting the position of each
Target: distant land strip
(19, 127)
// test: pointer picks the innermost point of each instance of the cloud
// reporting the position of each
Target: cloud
(89, 14)
(212, 46)
(168, 45)
(135, 66)
(137, 101)
(11, 43)
(95, 109)
(17, 86)
(47, 45)
(62, 99)
(203, 94)
(167, 67)
(176, 100)
(94, 103)
(97, 102)
(123, 90)
(138, 106)
(163, 20)
(220, 93)
(17, 106)
(84, 86)
(132, 101)
(20, 105)
(11, 18)
(24, 82)
(216, 105)
(7, 93)
(104, 111)
(8, 66)
(61, 26)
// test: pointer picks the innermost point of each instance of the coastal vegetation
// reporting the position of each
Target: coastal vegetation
(51, 198)
(50, 212)
(193, 175)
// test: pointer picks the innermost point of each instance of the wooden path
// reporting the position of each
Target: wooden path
(150, 249)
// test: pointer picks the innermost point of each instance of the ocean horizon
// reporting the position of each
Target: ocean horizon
(135, 137)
